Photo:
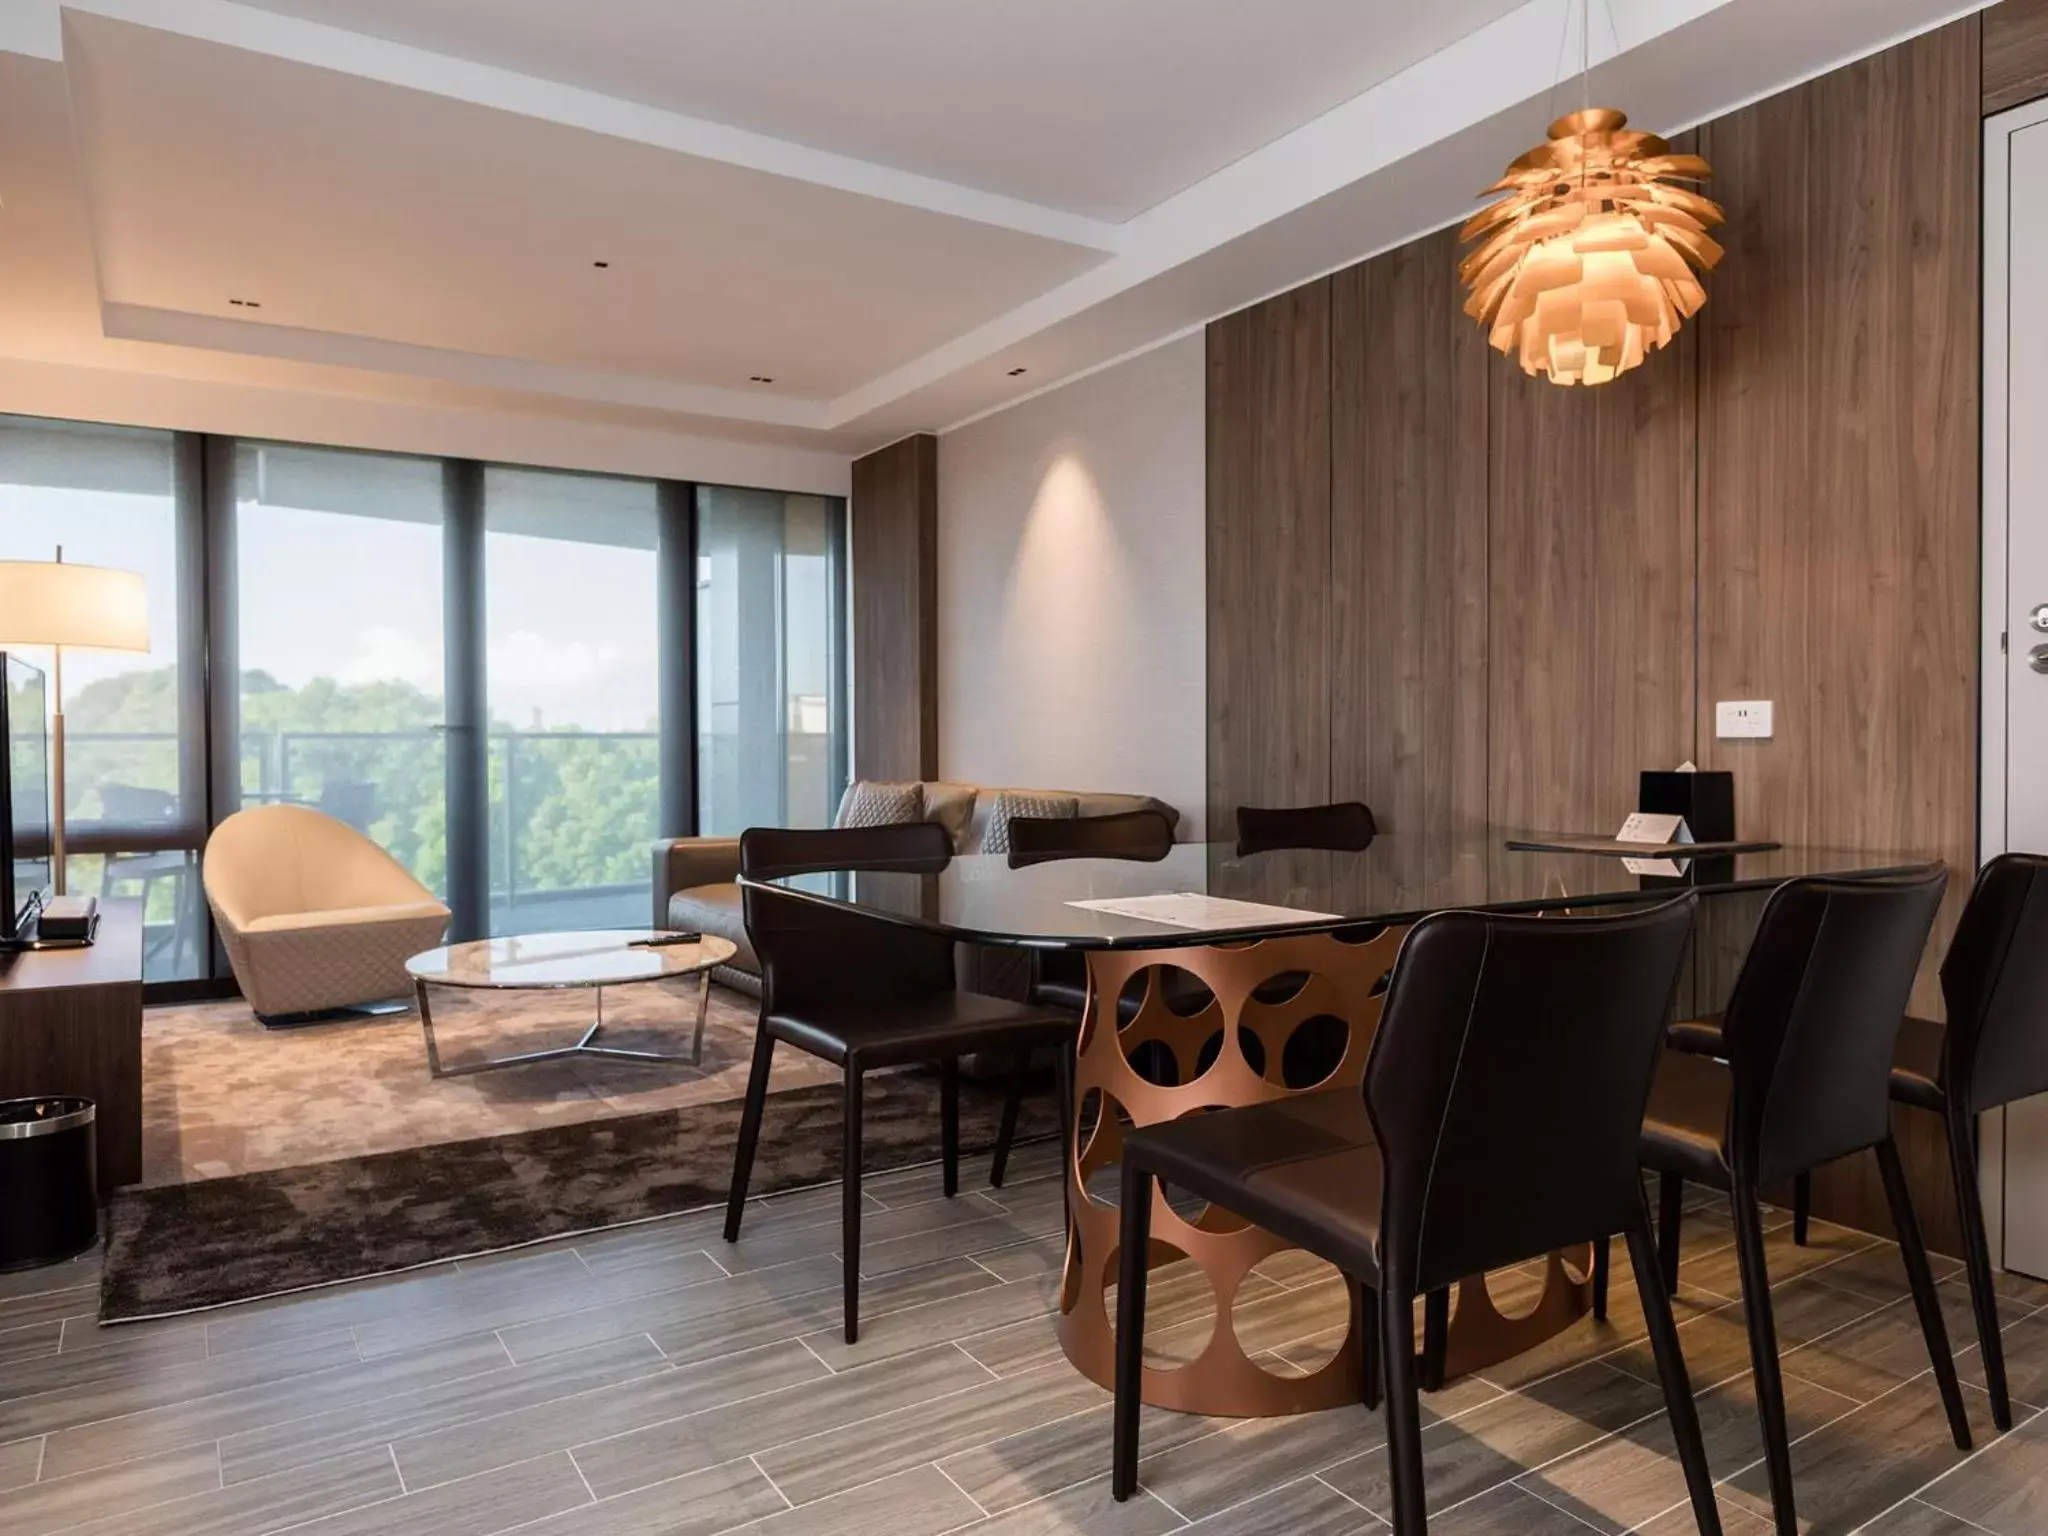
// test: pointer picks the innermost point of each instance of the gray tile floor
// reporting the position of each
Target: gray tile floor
(655, 1380)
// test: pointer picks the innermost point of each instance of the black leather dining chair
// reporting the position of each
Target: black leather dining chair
(1992, 1051)
(1143, 834)
(1502, 1104)
(1344, 827)
(865, 993)
(1808, 1038)
(1059, 979)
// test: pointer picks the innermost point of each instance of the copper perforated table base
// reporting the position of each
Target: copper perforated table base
(1263, 1011)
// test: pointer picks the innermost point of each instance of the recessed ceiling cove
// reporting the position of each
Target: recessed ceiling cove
(369, 212)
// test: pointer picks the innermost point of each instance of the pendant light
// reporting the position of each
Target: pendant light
(1587, 264)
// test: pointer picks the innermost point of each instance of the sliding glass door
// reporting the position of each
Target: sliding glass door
(512, 679)
(135, 806)
(770, 659)
(572, 661)
(339, 643)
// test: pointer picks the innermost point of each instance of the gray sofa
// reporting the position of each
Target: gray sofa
(695, 878)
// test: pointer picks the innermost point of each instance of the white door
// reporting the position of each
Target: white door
(2015, 703)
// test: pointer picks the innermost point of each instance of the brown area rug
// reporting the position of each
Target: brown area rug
(180, 1248)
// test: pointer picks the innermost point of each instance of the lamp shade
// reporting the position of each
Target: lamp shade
(1586, 266)
(49, 603)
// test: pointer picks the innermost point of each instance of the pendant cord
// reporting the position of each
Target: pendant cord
(1586, 55)
(1564, 42)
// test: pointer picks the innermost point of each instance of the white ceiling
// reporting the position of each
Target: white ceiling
(1099, 107)
(350, 206)
(904, 212)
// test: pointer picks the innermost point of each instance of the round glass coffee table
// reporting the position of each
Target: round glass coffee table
(547, 962)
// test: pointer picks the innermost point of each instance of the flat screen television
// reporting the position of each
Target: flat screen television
(24, 799)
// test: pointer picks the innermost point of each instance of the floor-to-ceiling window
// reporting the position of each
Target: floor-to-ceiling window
(574, 697)
(770, 663)
(135, 809)
(338, 642)
(513, 679)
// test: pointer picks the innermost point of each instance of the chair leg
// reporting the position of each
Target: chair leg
(1013, 1102)
(1603, 1264)
(750, 1132)
(1436, 1338)
(1962, 1158)
(1802, 1206)
(1763, 1353)
(1678, 1401)
(1670, 1226)
(1925, 1300)
(949, 1124)
(1404, 1410)
(1368, 1324)
(849, 1204)
(1134, 1243)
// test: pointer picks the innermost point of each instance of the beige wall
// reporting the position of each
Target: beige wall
(1071, 587)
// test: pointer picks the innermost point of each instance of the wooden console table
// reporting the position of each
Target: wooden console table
(71, 1023)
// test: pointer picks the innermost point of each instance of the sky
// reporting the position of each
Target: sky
(570, 628)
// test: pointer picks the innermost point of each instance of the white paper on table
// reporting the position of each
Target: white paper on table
(1670, 869)
(1191, 909)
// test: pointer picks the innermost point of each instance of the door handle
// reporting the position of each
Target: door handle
(2037, 658)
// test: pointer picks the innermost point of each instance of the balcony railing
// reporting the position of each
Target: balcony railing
(571, 812)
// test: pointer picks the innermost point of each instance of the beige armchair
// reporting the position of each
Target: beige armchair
(314, 915)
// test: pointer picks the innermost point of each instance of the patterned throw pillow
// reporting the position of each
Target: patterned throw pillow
(1010, 804)
(874, 803)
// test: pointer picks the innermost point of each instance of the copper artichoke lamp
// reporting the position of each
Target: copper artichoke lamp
(1591, 260)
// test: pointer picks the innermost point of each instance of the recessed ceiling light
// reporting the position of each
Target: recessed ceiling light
(759, 378)
(1014, 372)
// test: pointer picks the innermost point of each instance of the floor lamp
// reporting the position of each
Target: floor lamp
(85, 607)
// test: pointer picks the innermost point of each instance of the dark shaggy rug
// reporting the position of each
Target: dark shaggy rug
(183, 1247)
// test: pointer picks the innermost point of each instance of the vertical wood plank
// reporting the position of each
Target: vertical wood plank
(1408, 561)
(1756, 630)
(2015, 54)
(1269, 560)
(1590, 670)
(1839, 421)
(894, 533)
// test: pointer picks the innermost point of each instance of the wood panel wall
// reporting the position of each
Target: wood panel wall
(894, 547)
(1408, 567)
(1526, 594)
(1269, 557)
(2015, 54)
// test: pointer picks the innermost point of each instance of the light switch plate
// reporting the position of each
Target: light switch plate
(1742, 719)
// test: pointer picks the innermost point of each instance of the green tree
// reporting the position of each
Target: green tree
(568, 808)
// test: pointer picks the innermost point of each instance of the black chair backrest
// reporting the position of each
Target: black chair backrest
(919, 847)
(1346, 827)
(814, 956)
(1814, 1018)
(1995, 982)
(1508, 1081)
(1146, 835)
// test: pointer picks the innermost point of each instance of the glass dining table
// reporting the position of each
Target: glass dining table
(1215, 979)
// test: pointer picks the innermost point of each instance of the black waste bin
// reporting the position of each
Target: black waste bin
(49, 1181)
